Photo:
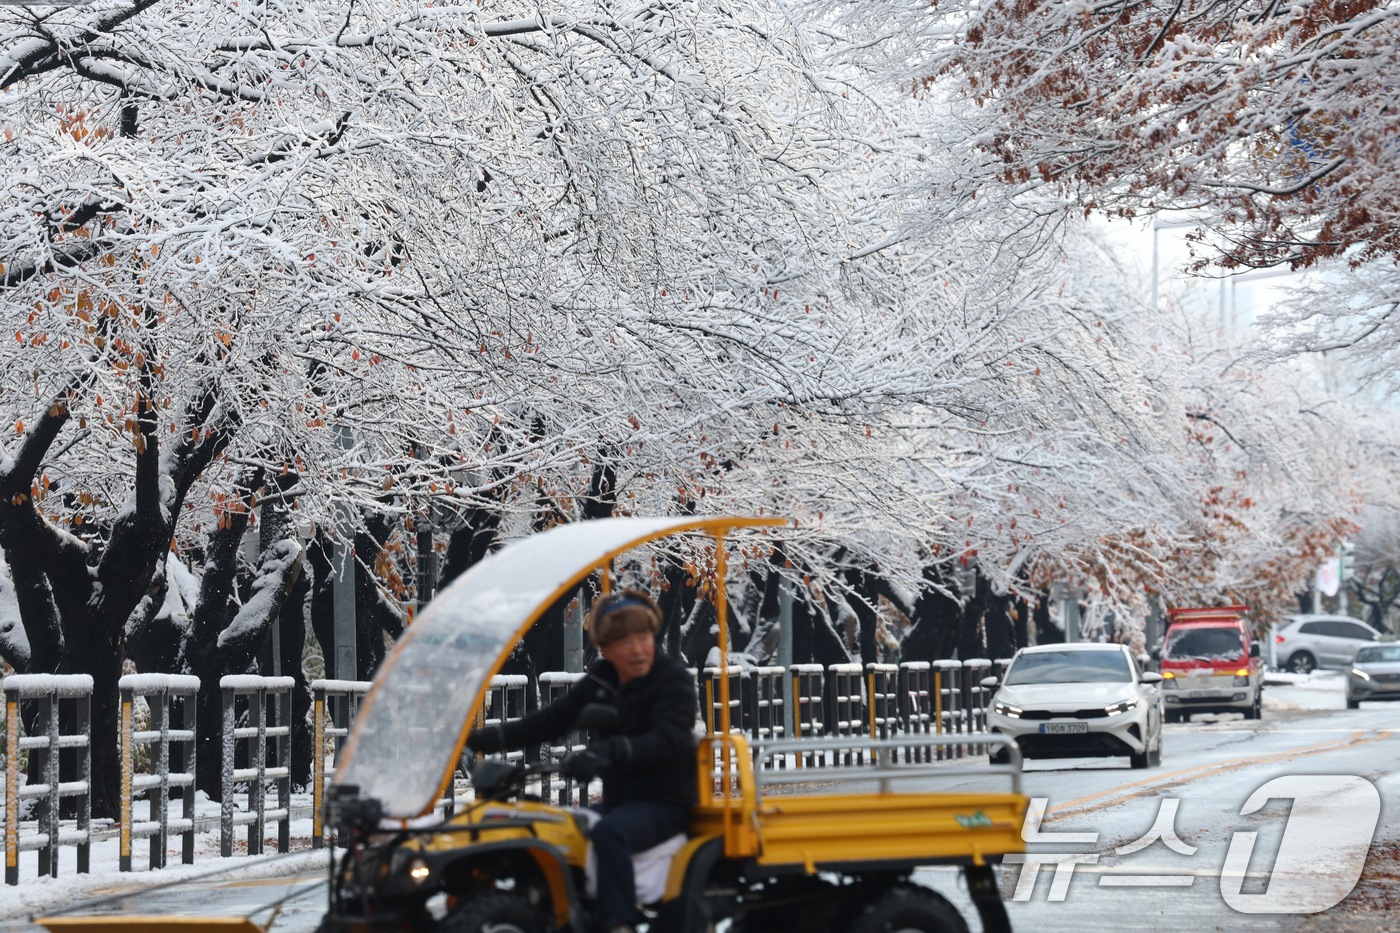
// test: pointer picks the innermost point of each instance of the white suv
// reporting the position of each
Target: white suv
(1306, 643)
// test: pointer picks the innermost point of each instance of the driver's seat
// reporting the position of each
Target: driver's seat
(650, 867)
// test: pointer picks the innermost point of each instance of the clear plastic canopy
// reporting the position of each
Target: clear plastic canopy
(409, 734)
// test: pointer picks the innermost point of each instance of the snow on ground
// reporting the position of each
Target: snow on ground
(1318, 690)
(35, 894)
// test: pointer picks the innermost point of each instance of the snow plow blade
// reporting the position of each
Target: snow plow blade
(130, 924)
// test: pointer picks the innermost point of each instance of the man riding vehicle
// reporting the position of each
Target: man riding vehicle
(648, 767)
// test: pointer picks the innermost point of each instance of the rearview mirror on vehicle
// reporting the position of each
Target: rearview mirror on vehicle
(492, 774)
(990, 682)
(1254, 650)
(599, 718)
(1151, 677)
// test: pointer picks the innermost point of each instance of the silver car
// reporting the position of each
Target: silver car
(1374, 675)
(1307, 643)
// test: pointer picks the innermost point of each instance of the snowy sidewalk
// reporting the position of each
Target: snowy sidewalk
(36, 896)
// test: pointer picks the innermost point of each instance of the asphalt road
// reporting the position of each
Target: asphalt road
(1211, 770)
(1208, 769)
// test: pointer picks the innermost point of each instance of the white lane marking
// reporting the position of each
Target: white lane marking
(1146, 881)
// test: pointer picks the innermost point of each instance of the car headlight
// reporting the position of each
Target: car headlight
(1242, 677)
(1168, 680)
(1358, 672)
(1122, 707)
(418, 871)
(1006, 709)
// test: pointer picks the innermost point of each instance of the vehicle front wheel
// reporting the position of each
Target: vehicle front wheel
(493, 913)
(1302, 662)
(1353, 704)
(909, 909)
(1171, 716)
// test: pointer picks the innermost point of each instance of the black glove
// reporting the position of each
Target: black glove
(486, 741)
(586, 765)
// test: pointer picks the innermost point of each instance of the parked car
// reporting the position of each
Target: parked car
(1210, 664)
(1374, 675)
(1309, 642)
(1080, 701)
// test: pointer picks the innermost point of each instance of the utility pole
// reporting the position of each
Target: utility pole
(1159, 224)
(785, 655)
(1069, 610)
(343, 663)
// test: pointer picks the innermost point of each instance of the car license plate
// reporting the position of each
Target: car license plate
(1063, 728)
(1203, 693)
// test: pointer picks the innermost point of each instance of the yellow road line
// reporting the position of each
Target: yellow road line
(1125, 792)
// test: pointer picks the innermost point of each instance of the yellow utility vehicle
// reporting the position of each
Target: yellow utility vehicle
(765, 850)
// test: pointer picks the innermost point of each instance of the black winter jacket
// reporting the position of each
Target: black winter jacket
(654, 752)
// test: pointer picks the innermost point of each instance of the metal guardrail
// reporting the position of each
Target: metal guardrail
(882, 699)
(765, 716)
(948, 710)
(159, 690)
(48, 690)
(916, 704)
(553, 686)
(711, 707)
(975, 671)
(328, 725)
(257, 689)
(809, 708)
(847, 705)
(884, 764)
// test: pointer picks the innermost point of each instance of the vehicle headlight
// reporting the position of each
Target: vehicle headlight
(1168, 681)
(418, 871)
(1242, 677)
(1006, 709)
(1358, 672)
(1122, 707)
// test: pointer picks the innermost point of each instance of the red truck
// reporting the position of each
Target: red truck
(1210, 664)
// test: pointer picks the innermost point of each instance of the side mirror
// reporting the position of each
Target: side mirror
(990, 682)
(492, 774)
(1155, 654)
(348, 811)
(1254, 649)
(599, 718)
(1151, 677)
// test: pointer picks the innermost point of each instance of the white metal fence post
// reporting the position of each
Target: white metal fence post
(168, 773)
(349, 693)
(257, 732)
(49, 690)
(11, 785)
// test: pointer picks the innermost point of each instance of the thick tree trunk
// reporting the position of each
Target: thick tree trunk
(1021, 624)
(469, 544)
(1045, 631)
(211, 615)
(676, 601)
(937, 618)
(1001, 638)
(292, 626)
(76, 599)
